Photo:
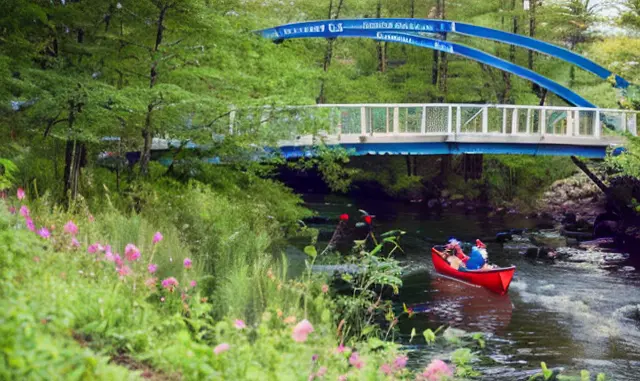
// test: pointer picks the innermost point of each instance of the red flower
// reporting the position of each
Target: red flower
(344, 217)
(367, 219)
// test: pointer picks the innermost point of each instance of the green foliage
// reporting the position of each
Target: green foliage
(463, 358)
(331, 163)
(627, 163)
(523, 178)
(7, 171)
(61, 307)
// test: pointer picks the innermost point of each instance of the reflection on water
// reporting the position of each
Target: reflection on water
(571, 315)
(456, 304)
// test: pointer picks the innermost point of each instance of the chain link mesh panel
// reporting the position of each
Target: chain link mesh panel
(437, 120)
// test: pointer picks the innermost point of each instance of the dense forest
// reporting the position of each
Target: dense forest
(117, 271)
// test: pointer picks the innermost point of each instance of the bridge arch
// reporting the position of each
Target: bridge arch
(341, 27)
(465, 51)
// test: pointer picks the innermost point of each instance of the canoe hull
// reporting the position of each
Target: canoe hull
(496, 280)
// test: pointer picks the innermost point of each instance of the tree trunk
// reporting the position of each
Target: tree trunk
(435, 68)
(506, 94)
(444, 62)
(381, 47)
(412, 8)
(147, 135)
(329, 52)
(512, 49)
(75, 159)
(147, 132)
(590, 174)
(532, 33)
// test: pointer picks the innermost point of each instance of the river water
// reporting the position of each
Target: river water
(569, 315)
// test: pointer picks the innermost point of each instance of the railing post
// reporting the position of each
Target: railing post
(485, 120)
(423, 121)
(597, 125)
(528, 121)
(543, 122)
(514, 122)
(569, 123)
(363, 121)
(576, 123)
(449, 120)
(396, 120)
(232, 120)
(458, 119)
(339, 122)
(633, 124)
(504, 121)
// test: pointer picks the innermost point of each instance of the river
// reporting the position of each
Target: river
(569, 315)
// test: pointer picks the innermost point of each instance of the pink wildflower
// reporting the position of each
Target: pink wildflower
(341, 348)
(131, 252)
(301, 331)
(162, 299)
(221, 348)
(170, 283)
(20, 194)
(12, 209)
(44, 233)
(108, 256)
(193, 284)
(342, 377)
(386, 369)
(356, 361)
(187, 263)
(124, 271)
(400, 362)
(70, 228)
(30, 225)
(436, 370)
(322, 371)
(118, 260)
(239, 324)
(157, 237)
(152, 268)
(151, 282)
(75, 242)
(325, 288)
(94, 248)
(24, 211)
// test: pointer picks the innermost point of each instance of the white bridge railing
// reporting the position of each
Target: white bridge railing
(446, 122)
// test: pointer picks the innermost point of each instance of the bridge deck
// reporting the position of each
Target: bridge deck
(458, 128)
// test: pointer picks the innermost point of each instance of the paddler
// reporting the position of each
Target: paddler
(454, 247)
(454, 254)
(478, 258)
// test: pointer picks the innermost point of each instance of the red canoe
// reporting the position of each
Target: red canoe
(496, 280)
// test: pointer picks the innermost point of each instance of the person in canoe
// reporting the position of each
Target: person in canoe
(478, 258)
(454, 254)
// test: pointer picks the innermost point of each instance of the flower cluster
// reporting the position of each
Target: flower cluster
(125, 267)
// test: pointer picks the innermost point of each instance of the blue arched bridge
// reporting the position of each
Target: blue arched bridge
(581, 129)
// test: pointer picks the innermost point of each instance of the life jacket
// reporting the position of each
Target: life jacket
(476, 260)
